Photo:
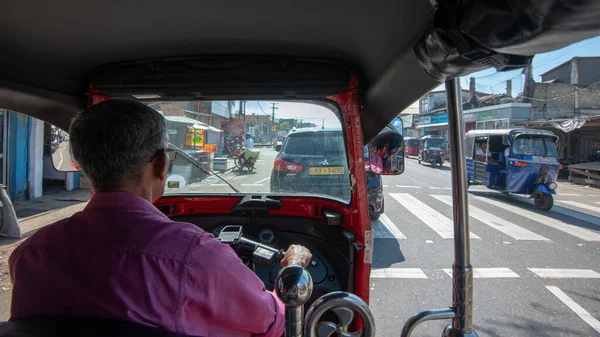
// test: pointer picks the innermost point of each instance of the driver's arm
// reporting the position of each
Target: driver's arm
(220, 294)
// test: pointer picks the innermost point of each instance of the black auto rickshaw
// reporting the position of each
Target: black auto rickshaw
(431, 150)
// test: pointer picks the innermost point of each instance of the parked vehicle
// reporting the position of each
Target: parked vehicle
(431, 150)
(520, 161)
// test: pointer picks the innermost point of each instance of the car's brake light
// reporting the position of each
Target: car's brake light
(284, 166)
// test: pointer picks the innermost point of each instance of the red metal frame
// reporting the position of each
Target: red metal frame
(355, 215)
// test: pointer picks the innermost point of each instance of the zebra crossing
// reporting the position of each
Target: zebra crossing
(429, 209)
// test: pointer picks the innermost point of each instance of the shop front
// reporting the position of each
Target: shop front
(504, 116)
(434, 125)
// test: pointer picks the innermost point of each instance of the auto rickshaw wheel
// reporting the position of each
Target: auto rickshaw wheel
(419, 161)
(544, 201)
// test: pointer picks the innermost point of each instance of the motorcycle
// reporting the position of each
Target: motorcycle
(232, 150)
(247, 159)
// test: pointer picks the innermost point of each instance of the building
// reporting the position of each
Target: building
(567, 102)
(578, 70)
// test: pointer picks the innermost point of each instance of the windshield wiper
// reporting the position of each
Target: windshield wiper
(201, 166)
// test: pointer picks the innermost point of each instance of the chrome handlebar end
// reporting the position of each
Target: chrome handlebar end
(293, 286)
(344, 305)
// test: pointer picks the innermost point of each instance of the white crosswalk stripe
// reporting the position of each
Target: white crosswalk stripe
(432, 218)
(579, 310)
(551, 273)
(489, 273)
(506, 227)
(386, 229)
(574, 230)
(580, 205)
(398, 273)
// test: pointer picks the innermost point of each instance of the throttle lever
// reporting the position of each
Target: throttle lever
(259, 253)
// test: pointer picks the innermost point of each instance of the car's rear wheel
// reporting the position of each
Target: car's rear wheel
(374, 215)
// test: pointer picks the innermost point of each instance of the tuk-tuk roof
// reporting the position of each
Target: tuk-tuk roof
(54, 51)
(512, 132)
(431, 137)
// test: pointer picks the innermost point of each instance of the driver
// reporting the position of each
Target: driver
(121, 258)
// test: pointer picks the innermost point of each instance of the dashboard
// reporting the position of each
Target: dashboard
(332, 247)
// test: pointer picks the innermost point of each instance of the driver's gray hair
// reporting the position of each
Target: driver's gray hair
(113, 141)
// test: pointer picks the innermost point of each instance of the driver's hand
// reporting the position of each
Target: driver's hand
(296, 254)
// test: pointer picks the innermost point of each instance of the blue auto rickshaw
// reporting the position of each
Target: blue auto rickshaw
(520, 161)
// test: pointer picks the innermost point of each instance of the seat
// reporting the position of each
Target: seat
(79, 327)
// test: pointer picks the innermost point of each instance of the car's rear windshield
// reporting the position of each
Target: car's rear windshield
(318, 143)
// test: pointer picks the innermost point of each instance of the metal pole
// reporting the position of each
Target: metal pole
(462, 300)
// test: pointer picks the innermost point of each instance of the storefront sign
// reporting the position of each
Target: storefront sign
(424, 120)
(172, 131)
(194, 137)
(469, 118)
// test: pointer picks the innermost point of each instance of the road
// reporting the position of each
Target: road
(243, 180)
(536, 273)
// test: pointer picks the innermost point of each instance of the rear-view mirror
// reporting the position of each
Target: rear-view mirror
(56, 145)
(385, 153)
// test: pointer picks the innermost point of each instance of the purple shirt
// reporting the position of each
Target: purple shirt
(121, 258)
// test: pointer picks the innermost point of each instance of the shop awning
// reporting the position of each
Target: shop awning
(431, 125)
(564, 124)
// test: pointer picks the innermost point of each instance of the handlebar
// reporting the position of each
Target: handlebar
(257, 252)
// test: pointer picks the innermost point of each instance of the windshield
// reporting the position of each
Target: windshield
(434, 143)
(239, 145)
(535, 146)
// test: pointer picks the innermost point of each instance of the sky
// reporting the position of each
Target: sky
(487, 81)
(493, 82)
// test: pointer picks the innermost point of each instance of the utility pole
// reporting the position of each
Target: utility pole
(273, 107)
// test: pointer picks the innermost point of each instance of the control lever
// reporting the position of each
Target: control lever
(293, 286)
(258, 253)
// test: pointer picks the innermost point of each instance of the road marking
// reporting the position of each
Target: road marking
(564, 273)
(489, 273)
(506, 227)
(580, 205)
(410, 162)
(385, 229)
(386, 185)
(440, 188)
(398, 273)
(571, 194)
(251, 184)
(443, 172)
(404, 186)
(574, 230)
(218, 185)
(260, 181)
(580, 311)
(432, 218)
(428, 241)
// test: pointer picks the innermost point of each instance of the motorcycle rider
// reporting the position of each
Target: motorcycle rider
(249, 142)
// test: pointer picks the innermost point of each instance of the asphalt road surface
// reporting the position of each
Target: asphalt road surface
(536, 273)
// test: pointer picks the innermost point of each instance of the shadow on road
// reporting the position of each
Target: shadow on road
(386, 253)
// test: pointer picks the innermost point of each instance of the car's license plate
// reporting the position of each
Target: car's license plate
(324, 171)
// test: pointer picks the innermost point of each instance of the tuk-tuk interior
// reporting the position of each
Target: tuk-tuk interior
(368, 60)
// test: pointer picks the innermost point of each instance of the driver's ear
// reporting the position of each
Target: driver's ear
(160, 165)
